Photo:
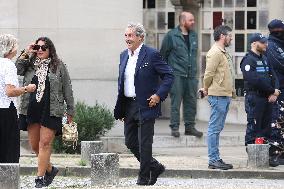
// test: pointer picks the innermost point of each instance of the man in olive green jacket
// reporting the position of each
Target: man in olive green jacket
(179, 48)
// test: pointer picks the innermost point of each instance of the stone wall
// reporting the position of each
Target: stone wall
(88, 36)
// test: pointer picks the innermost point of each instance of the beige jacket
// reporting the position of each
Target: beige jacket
(218, 76)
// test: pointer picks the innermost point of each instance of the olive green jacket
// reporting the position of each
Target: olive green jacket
(60, 88)
(178, 55)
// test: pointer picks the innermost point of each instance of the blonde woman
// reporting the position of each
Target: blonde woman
(9, 90)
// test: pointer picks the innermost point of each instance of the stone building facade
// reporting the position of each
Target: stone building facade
(243, 16)
(89, 36)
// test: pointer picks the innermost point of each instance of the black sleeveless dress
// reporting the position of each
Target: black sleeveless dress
(39, 112)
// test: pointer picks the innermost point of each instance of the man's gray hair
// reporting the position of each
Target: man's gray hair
(7, 43)
(138, 28)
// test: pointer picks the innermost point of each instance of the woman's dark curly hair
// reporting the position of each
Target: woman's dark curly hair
(55, 61)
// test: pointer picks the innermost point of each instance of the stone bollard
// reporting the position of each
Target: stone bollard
(258, 155)
(104, 169)
(90, 147)
(9, 175)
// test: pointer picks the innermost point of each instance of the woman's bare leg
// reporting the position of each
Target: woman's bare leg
(45, 145)
(34, 138)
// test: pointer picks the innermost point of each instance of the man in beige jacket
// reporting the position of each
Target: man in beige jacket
(218, 85)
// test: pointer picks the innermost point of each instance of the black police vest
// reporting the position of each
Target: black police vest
(262, 70)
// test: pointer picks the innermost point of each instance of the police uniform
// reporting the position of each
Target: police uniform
(259, 83)
(275, 56)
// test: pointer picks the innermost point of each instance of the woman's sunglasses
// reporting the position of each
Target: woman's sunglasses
(42, 47)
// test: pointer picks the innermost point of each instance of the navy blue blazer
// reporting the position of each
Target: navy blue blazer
(152, 76)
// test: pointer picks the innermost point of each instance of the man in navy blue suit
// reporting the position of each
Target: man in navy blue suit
(144, 81)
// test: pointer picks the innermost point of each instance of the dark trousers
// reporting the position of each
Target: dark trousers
(278, 116)
(250, 109)
(259, 113)
(263, 115)
(139, 139)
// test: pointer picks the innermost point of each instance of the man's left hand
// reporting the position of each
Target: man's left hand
(272, 98)
(153, 100)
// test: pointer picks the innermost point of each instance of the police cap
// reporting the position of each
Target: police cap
(275, 24)
(257, 37)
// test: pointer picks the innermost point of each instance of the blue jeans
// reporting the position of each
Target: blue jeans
(219, 109)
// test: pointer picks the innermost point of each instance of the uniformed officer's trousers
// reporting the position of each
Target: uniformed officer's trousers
(263, 113)
(259, 113)
(250, 108)
(278, 116)
(183, 90)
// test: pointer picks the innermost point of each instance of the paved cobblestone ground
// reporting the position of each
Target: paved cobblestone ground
(175, 161)
(27, 182)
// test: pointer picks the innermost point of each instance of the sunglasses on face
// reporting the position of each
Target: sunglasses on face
(42, 47)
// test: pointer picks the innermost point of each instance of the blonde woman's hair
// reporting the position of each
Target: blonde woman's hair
(8, 42)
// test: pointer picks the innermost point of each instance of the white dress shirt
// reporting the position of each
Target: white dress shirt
(8, 75)
(129, 87)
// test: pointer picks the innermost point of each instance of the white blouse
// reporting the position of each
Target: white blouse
(8, 75)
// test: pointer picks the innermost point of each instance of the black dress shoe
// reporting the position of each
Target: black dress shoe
(155, 174)
(142, 181)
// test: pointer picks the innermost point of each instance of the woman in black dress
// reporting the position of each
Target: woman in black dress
(41, 112)
(9, 90)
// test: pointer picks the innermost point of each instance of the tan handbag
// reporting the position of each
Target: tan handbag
(70, 134)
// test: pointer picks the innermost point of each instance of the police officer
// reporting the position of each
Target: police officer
(261, 89)
(275, 56)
